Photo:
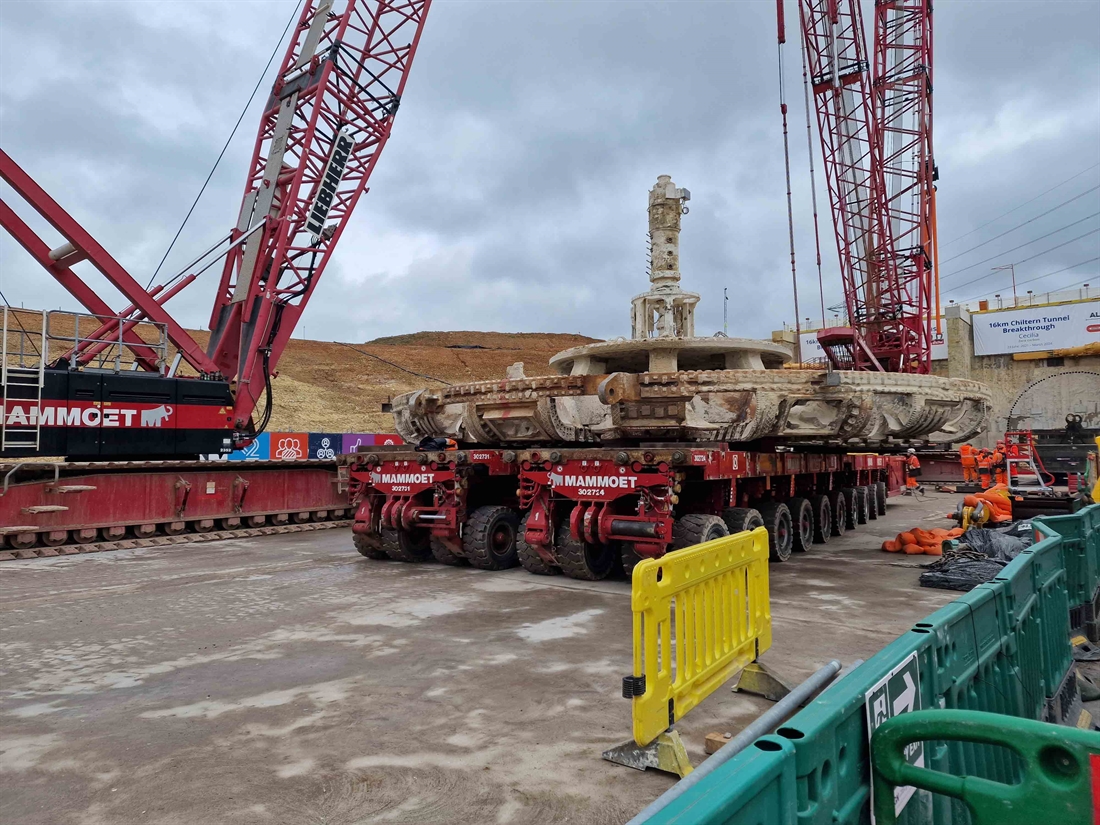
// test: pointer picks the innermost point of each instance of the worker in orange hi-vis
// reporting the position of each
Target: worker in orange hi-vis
(985, 465)
(912, 470)
(1000, 466)
(969, 463)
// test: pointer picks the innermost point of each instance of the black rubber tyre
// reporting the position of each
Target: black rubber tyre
(823, 518)
(863, 506)
(840, 512)
(850, 499)
(880, 497)
(400, 545)
(872, 503)
(802, 520)
(489, 540)
(443, 554)
(740, 519)
(529, 557)
(630, 558)
(777, 518)
(687, 531)
(369, 546)
(580, 559)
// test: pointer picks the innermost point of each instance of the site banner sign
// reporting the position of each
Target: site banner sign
(1036, 329)
(811, 350)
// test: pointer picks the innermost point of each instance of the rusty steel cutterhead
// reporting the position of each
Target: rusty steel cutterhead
(810, 406)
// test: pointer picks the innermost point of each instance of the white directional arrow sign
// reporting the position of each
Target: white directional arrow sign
(895, 693)
(906, 699)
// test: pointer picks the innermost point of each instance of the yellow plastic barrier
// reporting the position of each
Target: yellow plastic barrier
(700, 615)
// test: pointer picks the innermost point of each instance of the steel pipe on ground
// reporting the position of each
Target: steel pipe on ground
(764, 724)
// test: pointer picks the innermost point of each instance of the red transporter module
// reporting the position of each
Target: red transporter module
(585, 511)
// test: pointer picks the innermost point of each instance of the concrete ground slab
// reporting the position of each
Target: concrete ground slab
(286, 679)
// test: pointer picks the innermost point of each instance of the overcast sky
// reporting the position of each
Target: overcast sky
(512, 194)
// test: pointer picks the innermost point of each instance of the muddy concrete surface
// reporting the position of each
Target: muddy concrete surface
(286, 679)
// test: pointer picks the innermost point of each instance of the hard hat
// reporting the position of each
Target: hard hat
(911, 451)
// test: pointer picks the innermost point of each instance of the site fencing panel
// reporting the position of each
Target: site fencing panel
(700, 615)
(1003, 648)
(1080, 534)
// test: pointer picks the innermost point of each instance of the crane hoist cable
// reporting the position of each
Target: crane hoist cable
(813, 180)
(228, 140)
(787, 170)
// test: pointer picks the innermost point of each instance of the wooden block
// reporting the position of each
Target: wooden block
(716, 740)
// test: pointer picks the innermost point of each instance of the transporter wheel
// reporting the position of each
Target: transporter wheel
(255, 521)
(630, 558)
(53, 538)
(840, 512)
(823, 518)
(369, 546)
(880, 497)
(689, 530)
(850, 501)
(802, 520)
(582, 559)
(443, 554)
(863, 506)
(740, 519)
(872, 505)
(528, 556)
(777, 518)
(401, 545)
(489, 540)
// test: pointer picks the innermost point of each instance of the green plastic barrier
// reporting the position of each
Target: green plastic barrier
(1080, 534)
(1002, 648)
(1055, 786)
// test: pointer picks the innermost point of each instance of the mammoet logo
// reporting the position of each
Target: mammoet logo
(402, 478)
(623, 482)
(61, 415)
(330, 182)
(156, 416)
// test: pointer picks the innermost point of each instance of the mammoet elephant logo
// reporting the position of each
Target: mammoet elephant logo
(156, 416)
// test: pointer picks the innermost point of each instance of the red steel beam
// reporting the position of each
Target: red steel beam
(40, 251)
(90, 249)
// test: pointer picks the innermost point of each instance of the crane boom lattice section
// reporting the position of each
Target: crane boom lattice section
(839, 72)
(326, 121)
(903, 114)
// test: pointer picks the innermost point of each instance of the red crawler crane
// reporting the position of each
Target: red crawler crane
(326, 121)
(876, 133)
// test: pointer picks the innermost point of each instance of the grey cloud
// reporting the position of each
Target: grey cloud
(512, 193)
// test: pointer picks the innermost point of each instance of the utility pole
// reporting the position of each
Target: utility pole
(1011, 268)
(725, 312)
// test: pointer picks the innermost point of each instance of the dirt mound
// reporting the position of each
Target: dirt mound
(333, 387)
(327, 386)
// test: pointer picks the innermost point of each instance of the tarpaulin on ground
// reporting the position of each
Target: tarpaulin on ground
(979, 556)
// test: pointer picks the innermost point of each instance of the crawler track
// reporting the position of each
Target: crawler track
(164, 541)
(66, 507)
